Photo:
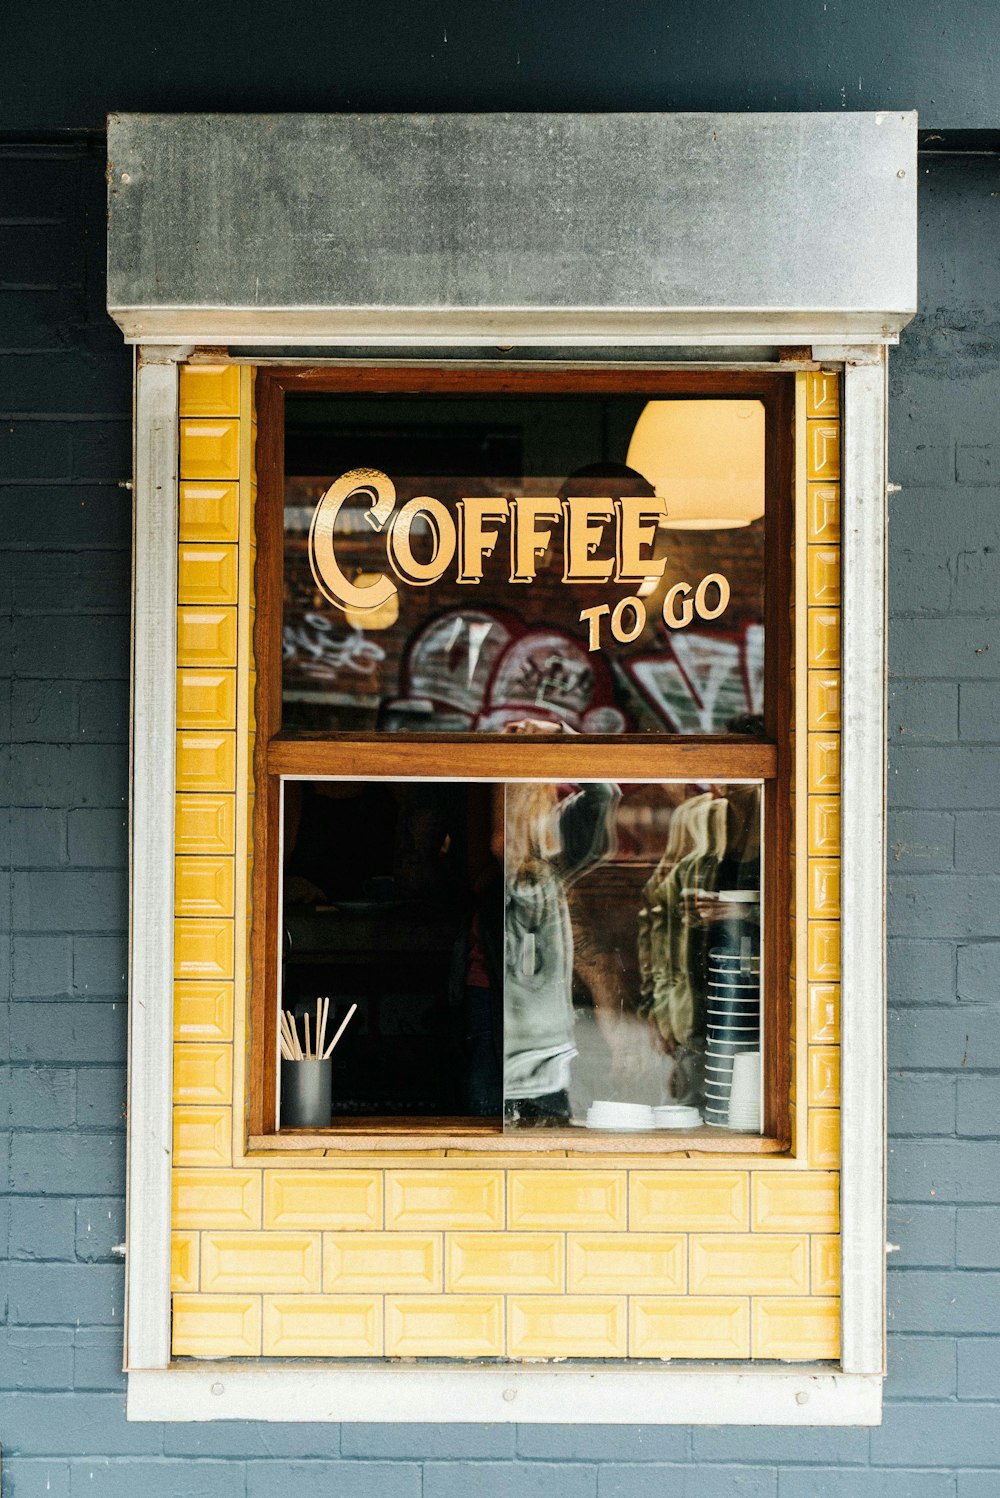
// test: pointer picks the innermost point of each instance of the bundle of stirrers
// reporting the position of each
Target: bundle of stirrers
(291, 1048)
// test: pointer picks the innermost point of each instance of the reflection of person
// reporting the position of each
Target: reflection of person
(714, 852)
(551, 839)
(739, 869)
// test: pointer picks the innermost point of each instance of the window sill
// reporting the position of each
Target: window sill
(563, 1393)
(399, 1135)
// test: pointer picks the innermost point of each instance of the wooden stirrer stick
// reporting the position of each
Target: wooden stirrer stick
(343, 1027)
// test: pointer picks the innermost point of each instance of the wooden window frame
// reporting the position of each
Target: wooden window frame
(279, 754)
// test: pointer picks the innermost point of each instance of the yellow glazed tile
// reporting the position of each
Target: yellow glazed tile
(824, 1137)
(203, 1011)
(688, 1326)
(567, 1199)
(749, 1264)
(824, 825)
(203, 949)
(206, 636)
(797, 1202)
(269, 1262)
(386, 1159)
(206, 761)
(795, 1330)
(212, 390)
(825, 1258)
(504, 1261)
(216, 1326)
(823, 637)
(322, 1199)
(689, 1200)
(216, 1198)
(204, 886)
(202, 1136)
(322, 1326)
(824, 763)
(357, 1262)
(823, 942)
(444, 1326)
(822, 394)
(824, 1012)
(444, 1199)
(823, 574)
(184, 1261)
(567, 1326)
(206, 699)
(203, 1073)
(824, 889)
(823, 694)
(822, 450)
(209, 511)
(608, 1262)
(210, 448)
(206, 573)
(823, 512)
(824, 1076)
(205, 824)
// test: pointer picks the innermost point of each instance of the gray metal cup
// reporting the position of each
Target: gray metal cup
(306, 1094)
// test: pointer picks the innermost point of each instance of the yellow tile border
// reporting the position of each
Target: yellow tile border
(244, 664)
(800, 715)
(261, 1167)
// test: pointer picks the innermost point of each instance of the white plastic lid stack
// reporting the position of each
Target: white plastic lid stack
(603, 1114)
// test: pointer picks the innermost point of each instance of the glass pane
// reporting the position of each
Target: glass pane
(550, 954)
(632, 966)
(464, 564)
(382, 888)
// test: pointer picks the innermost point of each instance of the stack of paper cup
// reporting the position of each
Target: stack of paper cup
(744, 1095)
(733, 1022)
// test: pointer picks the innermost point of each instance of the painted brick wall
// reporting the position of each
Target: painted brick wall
(64, 448)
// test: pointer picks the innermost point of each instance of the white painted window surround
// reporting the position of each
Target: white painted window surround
(667, 236)
(557, 1393)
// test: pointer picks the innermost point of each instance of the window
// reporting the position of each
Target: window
(523, 757)
(257, 1211)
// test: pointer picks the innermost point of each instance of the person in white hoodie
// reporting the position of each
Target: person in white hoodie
(553, 835)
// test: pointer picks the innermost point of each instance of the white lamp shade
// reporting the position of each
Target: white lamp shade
(705, 458)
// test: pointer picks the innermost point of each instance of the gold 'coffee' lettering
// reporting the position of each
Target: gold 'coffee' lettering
(638, 519)
(471, 535)
(474, 541)
(442, 527)
(367, 483)
(527, 542)
(584, 531)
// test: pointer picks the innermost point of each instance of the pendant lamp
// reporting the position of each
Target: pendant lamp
(705, 458)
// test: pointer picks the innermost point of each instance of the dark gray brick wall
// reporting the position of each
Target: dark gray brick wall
(64, 535)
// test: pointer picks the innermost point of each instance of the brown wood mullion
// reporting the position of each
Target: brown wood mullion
(529, 758)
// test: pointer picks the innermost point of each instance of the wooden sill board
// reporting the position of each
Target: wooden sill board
(395, 1135)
